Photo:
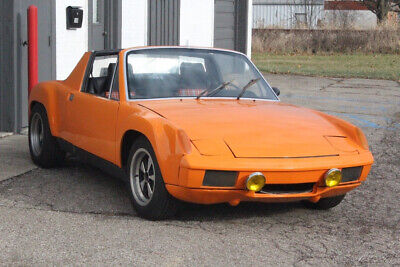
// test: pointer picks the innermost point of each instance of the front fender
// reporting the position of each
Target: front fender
(348, 129)
(168, 141)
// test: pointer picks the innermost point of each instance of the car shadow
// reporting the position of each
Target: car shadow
(221, 212)
(81, 188)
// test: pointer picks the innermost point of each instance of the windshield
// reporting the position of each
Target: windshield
(184, 72)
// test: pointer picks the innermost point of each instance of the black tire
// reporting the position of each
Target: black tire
(325, 203)
(161, 205)
(50, 154)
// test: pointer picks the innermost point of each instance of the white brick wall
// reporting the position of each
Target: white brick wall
(70, 44)
(197, 23)
(134, 23)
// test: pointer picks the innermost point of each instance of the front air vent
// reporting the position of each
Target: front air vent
(220, 178)
(287, 188)
(351, 174)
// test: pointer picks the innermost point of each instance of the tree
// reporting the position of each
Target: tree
(381, 8)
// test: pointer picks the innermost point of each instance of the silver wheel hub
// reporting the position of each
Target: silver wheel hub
(36, 134)
(142, 176)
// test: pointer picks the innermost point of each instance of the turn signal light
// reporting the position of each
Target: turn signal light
(255, 182)
(333, 177)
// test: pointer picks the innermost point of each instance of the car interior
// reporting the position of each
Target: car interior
(188, 79)
(191, 80)
(101, 85)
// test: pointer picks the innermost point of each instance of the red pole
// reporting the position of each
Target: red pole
(32, 47)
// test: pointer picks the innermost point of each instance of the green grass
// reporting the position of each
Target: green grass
(379, 66)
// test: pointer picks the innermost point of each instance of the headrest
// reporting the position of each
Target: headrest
(192, 68)
(111, 69)
(130, 70)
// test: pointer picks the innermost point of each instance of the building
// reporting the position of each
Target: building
(107, 24)
(312, 14)
(287, 14)
(344, 14)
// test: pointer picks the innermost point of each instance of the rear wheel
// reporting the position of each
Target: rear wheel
(325, 203)
(149, 196)
(43, 147)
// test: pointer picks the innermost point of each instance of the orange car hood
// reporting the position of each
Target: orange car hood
(258, 129)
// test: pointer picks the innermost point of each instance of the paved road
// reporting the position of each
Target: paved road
(76, 214)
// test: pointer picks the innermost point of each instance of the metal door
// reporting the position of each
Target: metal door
(224, 24)
(104, 24)
(97, 31)
(163, 22)
(230, 24)
(45, 50)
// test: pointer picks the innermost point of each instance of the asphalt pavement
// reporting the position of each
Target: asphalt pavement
(78, 215)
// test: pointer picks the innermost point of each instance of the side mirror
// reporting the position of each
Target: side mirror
(276, 90)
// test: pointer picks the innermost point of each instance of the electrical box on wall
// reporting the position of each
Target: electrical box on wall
(74, 17)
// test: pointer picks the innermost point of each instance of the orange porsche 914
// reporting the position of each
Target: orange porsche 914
(198, 125)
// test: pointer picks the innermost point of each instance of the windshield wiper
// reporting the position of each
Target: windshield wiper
(247, 86)
(213, 91)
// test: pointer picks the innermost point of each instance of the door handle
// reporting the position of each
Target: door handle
(71, 97)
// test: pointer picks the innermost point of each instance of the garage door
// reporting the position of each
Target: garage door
(224, 24)
(163, 22)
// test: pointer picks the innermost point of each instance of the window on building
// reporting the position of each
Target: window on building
(300, 19)
(96, 17)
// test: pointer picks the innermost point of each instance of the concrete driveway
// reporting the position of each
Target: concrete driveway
(78, 215)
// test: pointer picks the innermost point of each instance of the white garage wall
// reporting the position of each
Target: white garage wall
(249, 27)
(134, 23)
(196, 29)
(70, 44)
(197, 23)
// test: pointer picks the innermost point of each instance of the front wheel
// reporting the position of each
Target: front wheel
(149, 196)
(325, 203)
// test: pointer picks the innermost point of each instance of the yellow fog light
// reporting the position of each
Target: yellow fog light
(333, 177)
(255, 182)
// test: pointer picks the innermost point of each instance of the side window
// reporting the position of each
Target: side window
(101, 75)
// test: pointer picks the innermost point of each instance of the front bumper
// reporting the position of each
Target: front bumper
(235, 196)
(277, 171)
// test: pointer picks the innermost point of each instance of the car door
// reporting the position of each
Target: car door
(93, 111)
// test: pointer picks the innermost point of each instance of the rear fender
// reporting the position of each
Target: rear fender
(52, 95)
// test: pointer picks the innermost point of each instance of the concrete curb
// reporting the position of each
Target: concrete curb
(5, 134)
(14, 155)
